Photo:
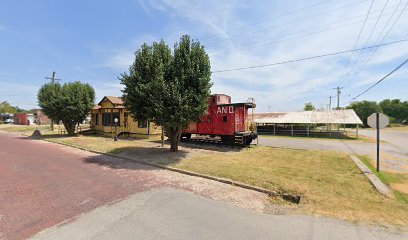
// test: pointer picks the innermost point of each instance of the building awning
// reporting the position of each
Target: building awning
(346, 116)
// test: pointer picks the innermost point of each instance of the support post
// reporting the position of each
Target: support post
(291, 127)
(308, 130)
(378, 140)
(148, 129)
(330, 130)
(162, 137)
(274, 129)
(357, 132)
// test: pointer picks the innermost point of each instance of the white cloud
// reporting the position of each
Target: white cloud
(121, 60)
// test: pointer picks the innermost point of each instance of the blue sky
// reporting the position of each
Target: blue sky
(94, 41)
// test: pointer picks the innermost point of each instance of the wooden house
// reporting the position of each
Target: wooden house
(110, 107)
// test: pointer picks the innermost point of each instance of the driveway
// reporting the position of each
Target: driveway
(394, 157)
(49, 191)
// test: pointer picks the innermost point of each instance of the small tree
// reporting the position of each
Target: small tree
(309, 106)
(69, 103)
(168, 88)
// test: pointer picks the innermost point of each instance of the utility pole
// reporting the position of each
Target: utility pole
(53, 79)
(329, 106)
(338, 96)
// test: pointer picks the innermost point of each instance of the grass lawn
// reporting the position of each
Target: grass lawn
(23, 128)
(394, 180)
(98, 142)
(329, 182)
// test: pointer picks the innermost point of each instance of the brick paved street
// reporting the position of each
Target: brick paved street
(43, 184)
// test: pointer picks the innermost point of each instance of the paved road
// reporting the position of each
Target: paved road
(398, 138)
(393, 157)
(173, 214)
(45, 184)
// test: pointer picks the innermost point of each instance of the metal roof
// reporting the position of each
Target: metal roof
(346, 116)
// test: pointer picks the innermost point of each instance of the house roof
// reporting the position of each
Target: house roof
(346, 116)
(114, 100)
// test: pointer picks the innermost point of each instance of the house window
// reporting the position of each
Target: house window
(225, 119)
(106, 119)
(214, 99)
(142, 124)
(96, 119)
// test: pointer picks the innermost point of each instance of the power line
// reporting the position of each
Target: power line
(270, 19)
(366, 42)
(307, 58)
(279, 39)
(251, 33)
(382, 79)
(356, 42)
(371, 54)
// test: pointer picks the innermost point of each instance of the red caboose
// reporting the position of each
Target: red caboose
(227, 120)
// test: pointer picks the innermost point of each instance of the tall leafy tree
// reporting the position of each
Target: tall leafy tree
(364, 109)
(395, 109)
(70, 103)
(168, 88)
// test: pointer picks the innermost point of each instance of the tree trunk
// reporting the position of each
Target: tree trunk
(174, 137)
(70, 127)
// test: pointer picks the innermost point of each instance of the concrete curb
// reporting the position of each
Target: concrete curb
(286, 196)
(377, 183)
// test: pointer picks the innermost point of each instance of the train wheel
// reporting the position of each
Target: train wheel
(248, 140)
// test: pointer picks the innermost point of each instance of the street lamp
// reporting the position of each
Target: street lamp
(116, 120)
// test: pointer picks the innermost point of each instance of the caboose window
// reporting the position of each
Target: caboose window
(225, 118)
(209, 120)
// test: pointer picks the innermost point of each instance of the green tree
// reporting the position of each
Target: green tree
(309, 106)
(169, 88)
(395, 109)
(364, 109)
(69, 103)
(6, 107)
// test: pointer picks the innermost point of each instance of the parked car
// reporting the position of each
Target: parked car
(9, 121)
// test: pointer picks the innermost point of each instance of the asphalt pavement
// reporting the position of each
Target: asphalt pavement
(168, 213)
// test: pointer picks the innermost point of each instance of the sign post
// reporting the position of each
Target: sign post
(378, 120)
